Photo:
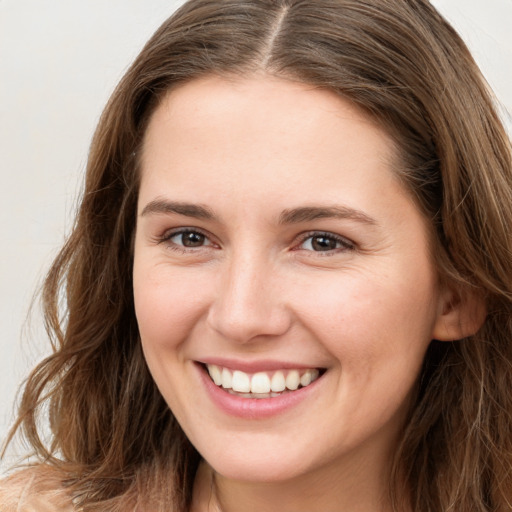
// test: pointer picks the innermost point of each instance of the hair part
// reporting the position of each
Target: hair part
(113, 435)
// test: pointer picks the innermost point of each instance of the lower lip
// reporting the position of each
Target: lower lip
(254, 408)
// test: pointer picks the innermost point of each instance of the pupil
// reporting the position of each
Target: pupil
(322, 243)
(192, 239)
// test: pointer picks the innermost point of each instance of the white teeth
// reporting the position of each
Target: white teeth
(227, 378)
(261, 384)
(278, 382)
(293, 380)
(306, 378)
(241, 382)
(215, 374)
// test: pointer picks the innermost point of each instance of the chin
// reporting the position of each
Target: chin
(260, 471)
(255, 462)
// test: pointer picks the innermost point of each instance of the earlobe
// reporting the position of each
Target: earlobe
(461, 313)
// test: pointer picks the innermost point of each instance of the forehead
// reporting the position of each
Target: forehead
(253, 125)
(211, 97)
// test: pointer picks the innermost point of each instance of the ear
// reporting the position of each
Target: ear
(460, 314)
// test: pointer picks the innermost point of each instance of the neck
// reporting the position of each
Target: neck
(357, 491)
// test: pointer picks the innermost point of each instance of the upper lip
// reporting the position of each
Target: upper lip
(256, 366)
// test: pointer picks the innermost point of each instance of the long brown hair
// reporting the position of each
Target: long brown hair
(112, 435)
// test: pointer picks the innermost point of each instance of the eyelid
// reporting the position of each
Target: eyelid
(166, 236)
(346, 243)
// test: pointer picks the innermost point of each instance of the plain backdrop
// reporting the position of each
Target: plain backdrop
(59, 62)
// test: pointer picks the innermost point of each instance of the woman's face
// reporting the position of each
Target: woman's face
(274, 247)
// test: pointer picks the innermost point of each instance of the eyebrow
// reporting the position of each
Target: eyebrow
(289, 216)
(310, 213)
(188, 209)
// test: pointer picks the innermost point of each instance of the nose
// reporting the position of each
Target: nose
(250, 302)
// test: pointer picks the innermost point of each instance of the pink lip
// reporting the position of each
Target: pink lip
(253, 408)
(254, 366)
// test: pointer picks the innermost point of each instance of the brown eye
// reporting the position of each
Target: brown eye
(323, 243)
(326, 242)
(189, 239)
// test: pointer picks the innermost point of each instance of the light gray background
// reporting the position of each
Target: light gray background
(59, 61)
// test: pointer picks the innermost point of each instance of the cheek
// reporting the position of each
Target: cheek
(167, 306)
(377, 332)
(366, 320)
(167, 313)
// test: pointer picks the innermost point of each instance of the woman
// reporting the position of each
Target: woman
(288, 287)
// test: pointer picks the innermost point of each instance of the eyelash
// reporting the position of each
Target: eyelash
(343, 243)
(168, 235)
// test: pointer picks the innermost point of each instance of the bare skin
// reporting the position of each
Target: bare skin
(272, 231)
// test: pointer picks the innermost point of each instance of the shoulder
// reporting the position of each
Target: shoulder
(37, 489)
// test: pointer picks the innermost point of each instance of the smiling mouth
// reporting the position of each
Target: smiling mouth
(262, 384)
